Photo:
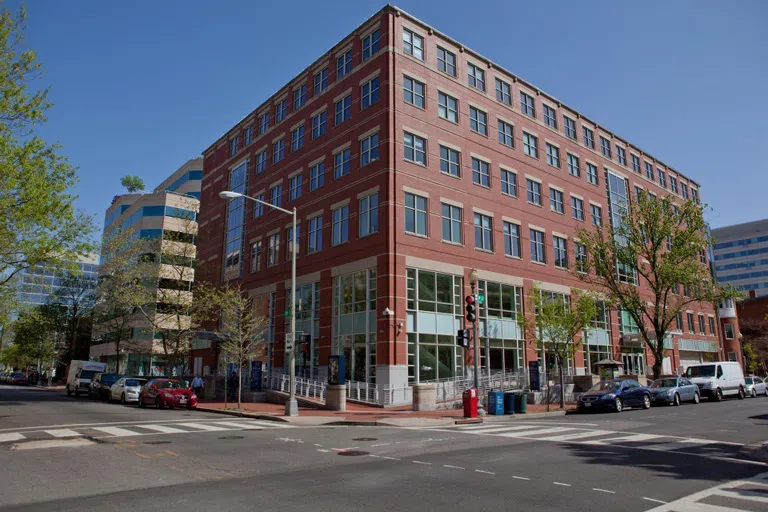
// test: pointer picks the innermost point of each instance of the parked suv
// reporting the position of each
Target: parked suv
(716, 380)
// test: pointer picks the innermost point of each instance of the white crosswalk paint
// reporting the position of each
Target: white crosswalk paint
(117, 431)
(11, 436)
(62, 432)
(165, 429)
(503, 428)
(531, 433)
(201, 426)
(731, 492)
(680, 445)
(244, 426)
(625, 439)
(575, 435)
(743, 495)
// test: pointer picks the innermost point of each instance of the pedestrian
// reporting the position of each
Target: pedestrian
(233, 385)
(197, 386)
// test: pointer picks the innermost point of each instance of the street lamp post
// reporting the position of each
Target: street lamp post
(291, 406)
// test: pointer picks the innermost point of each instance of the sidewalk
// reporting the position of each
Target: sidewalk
(357, 414)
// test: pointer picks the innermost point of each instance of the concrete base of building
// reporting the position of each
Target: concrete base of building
(424, 397)
(336, 398)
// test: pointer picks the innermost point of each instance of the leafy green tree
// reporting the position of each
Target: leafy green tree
(132, 183)
(35, 337)
(652, 264)
(557, 324)
(755, 344)
(38, 220)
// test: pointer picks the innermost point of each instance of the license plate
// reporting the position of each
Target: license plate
(587, 404)
(183, 400)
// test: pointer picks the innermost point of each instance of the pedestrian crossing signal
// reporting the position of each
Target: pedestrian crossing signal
(463, 338)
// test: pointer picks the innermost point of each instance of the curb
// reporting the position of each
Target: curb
(242, 414)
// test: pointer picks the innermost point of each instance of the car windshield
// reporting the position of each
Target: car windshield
(110, 379)
(700, 371)
(664, 383)
(134, 382)
(17, 375)
(87, 374)
(606, 386)
(169, 384)
(748, 380)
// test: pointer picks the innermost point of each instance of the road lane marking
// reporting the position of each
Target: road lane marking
(520, 478)
(164, 429)
(115, 423)
(452, 467)
(62, 432)
(235, 424)
(389, 458)
(117, 431)
(561, 483)
(323, 450)
(575, 435)
(655, 501)
(625, 439)
(742, 494)
(420, 462)
(380, 444)
(688, 443)
(345, 449)
(535, 432)
(484, 472)
(14, 436)
(603, 490)
(202, 426)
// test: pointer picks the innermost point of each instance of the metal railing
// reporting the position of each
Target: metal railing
(308, 388)
(379, 394)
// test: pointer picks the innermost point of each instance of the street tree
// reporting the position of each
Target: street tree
(76, 298)
(755, 343)
(651, 263)
(124, 270)
(35, 337)
(557, 324)
(39, 223)
(132, 183)
(241, 327)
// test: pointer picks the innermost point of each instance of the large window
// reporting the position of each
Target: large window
(295, 186)
(478, 121)
(354, 323)
(278, 151)
(370, 44)
(508, 183)
(319, 124)
(506, 134)
(530, 145)
(449, 161)
(344, 65)
(415, 214)
(446, 61)
(503, 92)
(589, 137)
(550, 117)
(299, 97)
(235, 223)
(448, 107)
(569, 125)
(370, 92)
(527, 105)
(553, 155)
(573, 165)
(577, 208)
(281, 110)
(556, 201)
(369, 214)
(475, 77)
(483, 232)
(343, 109)
(369, 149)
(511, 239)
(538, 253)
(321, 81)
(316, 176)
(341, 164)
(560, 249)
(315, 241)
(415, 148)
(340, 229)
(413, 44)
(498, 324)
(297, 139)
(413, 92)
(533, 189)
(481, 174)
(451, 223)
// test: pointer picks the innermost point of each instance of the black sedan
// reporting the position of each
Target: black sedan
(615, 395)
(100, 384)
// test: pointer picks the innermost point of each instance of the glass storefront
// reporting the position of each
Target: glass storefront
(354, 320)
(498, 323)
(434, 315)
(307, 322)
(597, 339)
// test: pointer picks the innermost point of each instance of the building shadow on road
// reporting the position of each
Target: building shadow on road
(763, 417)
(674, 465)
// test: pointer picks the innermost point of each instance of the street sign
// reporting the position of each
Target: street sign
(286, 313)
(289, 340)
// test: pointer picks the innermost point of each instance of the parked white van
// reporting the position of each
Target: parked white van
(716, 380)
(80, 374)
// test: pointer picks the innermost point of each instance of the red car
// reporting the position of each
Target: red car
(166, 392)
(18, 378)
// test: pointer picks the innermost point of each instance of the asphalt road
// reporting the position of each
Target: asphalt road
(130, 459)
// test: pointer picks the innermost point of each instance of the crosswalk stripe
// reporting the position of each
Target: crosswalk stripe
(244, 426)
(686, 443)
(625, 439)
(271, 424)
(117, 431)
(742, 495)
(497, 430)
(201, 426)
(530, 433)
(63, 432)
(575, 435)
(484, 426)
(164, 429)
(11, 436)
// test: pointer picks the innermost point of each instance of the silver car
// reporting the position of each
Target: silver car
(126, 389)
(755, 386)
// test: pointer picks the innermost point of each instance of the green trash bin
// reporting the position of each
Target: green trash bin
(521, 403)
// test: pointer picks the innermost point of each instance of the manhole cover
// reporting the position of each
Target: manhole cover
(156, 442)
(232, 437)
(353, 453)
(366, 439)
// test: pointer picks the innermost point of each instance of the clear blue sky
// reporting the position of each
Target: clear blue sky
(140, 87)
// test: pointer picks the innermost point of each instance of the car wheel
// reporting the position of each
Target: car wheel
(766, 390)
(122, 399)
(696, 398)
(158, 403)
(676, 400)
(141, 402)
(618, 404)
(741, 394)
(754, 393)
(647, 402)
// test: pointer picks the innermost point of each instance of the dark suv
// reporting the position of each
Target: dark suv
(100, 384)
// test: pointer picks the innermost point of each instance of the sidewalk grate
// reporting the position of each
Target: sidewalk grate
(365, 439)
(353, 453)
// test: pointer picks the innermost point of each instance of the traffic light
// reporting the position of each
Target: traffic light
(463, 338)
(471, 316)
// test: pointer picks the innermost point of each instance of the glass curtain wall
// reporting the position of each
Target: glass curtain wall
(354, 323)
(597, 339)
(307, 322)
(498, 323)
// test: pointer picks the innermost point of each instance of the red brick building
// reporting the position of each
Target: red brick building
(411, 159)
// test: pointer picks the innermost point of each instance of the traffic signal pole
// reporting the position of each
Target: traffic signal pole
(472, 317)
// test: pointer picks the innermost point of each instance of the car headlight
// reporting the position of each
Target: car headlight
(608, 396)
(707, 385)
(671, 392)
(193, 396)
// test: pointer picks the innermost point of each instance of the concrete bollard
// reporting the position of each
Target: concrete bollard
(336, 397)
(424, 397)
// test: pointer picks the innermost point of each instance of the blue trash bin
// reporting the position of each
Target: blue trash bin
(496, 402)
(509, 403)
